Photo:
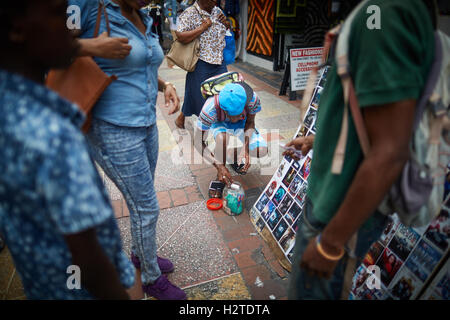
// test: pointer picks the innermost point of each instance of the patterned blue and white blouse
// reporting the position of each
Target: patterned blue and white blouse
(49, 187)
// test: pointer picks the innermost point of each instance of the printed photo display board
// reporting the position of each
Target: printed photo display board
(409, 259)
(281, 204)
(413, 262)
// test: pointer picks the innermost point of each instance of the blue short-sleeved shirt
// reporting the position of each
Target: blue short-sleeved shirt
(208, 115)
(131, 99)
(49, 188)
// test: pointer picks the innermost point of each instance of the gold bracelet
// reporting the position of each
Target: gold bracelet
(326, 255)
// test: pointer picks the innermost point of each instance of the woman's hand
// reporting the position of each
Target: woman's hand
(170, 96)
(105, 47)
(206, 23)
(224, 20)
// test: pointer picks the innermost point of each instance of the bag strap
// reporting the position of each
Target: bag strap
(343, 70)
(101, 8)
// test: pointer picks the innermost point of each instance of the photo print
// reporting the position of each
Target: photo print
(316, 99)
(274, 219)
(295, 211)
(405, 286)
(288, 219)
(296, 165)
(272, 186)
(306, 168)
(289, 177)
(359, 280)
(438, 231)
(417, 269)
(389, 231)
(295, 226)
(373, 254)
(443, 287)
(389, 264)
(323, 79)
(287, 241)
(280, 229)
(404, 240)
(262, 202)
(310, 117)
(439, 288)
(300, 197)
(423, 260)
(283, 168)
(285, 204)
(268, 210)
(302, 132)
(279, 196)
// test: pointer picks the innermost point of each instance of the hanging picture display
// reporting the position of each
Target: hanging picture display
(276, 212)
(413, 262)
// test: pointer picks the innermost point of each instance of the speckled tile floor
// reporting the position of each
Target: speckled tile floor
(216, 256)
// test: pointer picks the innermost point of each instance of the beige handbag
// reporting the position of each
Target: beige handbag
(185, 55)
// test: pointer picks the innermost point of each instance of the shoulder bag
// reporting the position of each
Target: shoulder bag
(185, 55)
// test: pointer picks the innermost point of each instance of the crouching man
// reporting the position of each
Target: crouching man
(231, 112)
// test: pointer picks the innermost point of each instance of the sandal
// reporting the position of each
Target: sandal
(238, 168)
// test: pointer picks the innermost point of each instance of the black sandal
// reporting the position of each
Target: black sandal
(238, 168)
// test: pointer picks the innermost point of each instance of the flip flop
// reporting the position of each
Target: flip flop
(238, 168)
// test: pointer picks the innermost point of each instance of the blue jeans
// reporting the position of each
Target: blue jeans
(305, 287)
(128, 156)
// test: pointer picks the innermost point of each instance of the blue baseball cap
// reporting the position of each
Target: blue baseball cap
(232, 99)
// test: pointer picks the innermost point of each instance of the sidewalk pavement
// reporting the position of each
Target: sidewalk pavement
(216, 256)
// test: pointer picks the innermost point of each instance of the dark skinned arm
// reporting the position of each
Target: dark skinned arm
(104, 47)
(389, 128)
(223, 173)
(249, 129)
(189, 36)
(98, 274)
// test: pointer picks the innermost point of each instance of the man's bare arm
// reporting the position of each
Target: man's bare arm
(389, 128)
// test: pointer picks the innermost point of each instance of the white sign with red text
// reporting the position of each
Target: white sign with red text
(302, 61)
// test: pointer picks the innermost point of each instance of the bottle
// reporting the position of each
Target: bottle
(234, 199)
